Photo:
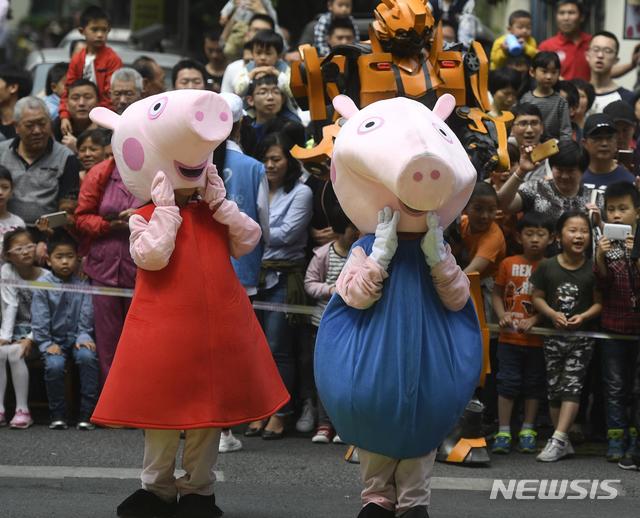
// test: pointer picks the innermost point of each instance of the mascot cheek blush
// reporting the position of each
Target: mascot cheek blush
(399, 348)
(182, 351)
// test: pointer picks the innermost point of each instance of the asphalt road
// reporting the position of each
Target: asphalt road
(69, 473)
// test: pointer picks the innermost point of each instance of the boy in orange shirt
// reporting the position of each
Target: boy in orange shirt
(483, 242)
(96, 62)
(521, 368)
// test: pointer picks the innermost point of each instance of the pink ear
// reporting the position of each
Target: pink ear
(444, 106)
(104, 117)
(345, 106)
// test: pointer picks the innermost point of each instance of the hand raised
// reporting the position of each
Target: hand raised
(162, 191)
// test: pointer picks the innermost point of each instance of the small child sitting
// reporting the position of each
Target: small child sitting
(266, 48)
(336, 9)
(320, 283)
(618, 277)
(62, 324)
(243, 10)
(56, 79)
(520, 27)
(97, 62)
(16, 339)
(520, 355)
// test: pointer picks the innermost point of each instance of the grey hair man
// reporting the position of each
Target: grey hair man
(126, 88)
(45, 172)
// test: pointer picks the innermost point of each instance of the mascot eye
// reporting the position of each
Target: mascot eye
(443, 133)
(157, 108)
(370, 124)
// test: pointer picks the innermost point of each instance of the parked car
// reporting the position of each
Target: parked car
(40, 61)
(118, 38)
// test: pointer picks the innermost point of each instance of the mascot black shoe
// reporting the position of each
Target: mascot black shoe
(144, 504)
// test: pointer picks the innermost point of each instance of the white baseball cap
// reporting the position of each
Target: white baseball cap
(235, 103)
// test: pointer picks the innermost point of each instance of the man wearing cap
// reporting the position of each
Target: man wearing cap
(625, 121)
(600, 140)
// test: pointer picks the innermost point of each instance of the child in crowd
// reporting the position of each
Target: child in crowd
(62, 324)
(570, 94)
(520, 355)
(587, 96)
(336, 9)
(520, 27)
(92, 145)
(16, 339)
(56, 79)
(320, 283)
(504, 85)
(96, 62)
(545, 70)
(243, 10)
(483, 239)
(8, 221)
(566, 296)
(507, 222)
(618, 277)
(266, 48)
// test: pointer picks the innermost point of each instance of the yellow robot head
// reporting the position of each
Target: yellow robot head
(401, 25)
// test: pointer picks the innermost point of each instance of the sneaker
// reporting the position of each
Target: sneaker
(229, 443)
(352, 456)
(337, 440)
(3, 419)
(306, 422)
(501, 443)
(323, 435)
(527, 441)
(615, 447)
(21, 420)
(629, 462)
(85, 425)
(58, 424)
(554, 450)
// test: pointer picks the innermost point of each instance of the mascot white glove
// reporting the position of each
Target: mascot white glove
(386, 241)
(432, 243)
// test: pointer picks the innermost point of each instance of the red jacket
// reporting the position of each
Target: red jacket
(105, 64)
(89, 223)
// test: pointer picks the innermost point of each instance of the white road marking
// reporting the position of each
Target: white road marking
(61, 472)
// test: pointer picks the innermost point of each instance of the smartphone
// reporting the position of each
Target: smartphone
(625, 157)
(544, 150)
(56, 219)
(616, 232)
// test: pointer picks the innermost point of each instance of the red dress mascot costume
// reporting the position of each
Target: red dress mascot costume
(191, 332)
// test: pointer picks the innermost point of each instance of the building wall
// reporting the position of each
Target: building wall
(614, 22)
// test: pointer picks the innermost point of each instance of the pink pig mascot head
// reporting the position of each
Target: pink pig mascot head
(400, 154)
(174, 132)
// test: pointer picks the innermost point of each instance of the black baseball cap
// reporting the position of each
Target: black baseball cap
(599, 123)
(621, 111)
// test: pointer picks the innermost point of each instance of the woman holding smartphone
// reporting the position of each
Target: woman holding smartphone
(102, 219)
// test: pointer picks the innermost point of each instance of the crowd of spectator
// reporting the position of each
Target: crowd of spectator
(534, 233)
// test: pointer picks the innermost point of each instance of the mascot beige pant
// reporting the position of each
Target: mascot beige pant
(396, 484)
(198, 459)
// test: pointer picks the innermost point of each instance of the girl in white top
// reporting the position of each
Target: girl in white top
(15, 332)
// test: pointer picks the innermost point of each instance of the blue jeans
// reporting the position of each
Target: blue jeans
(618, 364)
(87, 363)
(279, 334)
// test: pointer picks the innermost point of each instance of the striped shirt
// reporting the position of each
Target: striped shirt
(555, 114)
(336, 263)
